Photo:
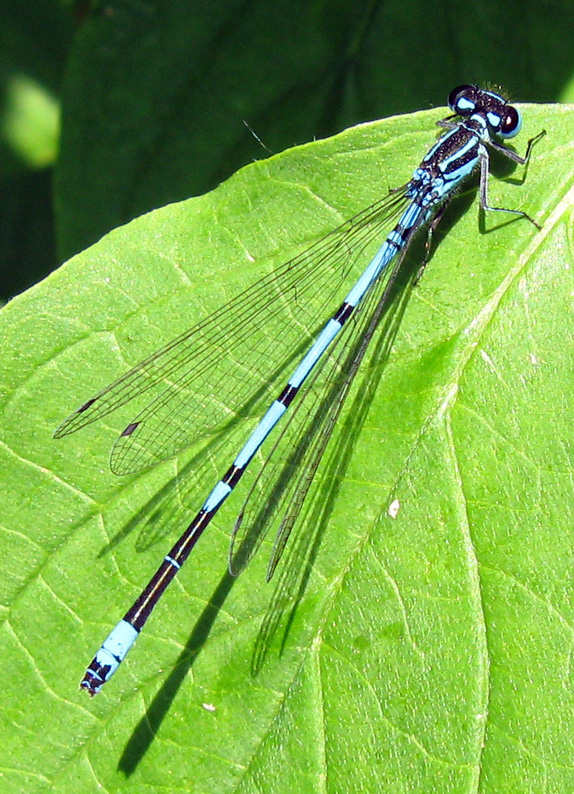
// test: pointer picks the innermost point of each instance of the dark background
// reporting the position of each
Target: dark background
(159, 99)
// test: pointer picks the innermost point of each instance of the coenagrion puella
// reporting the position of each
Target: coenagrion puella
(215, 358)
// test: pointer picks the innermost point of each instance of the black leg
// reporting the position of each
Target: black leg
(428, 242)
(484, 162)
(516, 157)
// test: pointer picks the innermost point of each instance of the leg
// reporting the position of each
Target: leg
(516, 157)
(428, 242)
(448, 123)
(484, 161)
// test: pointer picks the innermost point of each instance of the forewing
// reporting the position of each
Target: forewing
(231, 360)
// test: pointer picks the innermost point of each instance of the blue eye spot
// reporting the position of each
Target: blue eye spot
(494, 120)
(465, 104)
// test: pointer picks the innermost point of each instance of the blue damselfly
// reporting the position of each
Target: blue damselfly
(198, 365)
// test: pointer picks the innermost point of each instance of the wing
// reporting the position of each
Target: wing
(231, 360)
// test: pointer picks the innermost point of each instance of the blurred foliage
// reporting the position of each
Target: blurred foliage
(163, 100)
(35, 40)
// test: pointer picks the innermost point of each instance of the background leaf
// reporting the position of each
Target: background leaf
(135, 138)
(34, 38)
(156, 95)
(430, 651)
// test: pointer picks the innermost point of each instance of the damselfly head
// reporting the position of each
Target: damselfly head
(470, 100)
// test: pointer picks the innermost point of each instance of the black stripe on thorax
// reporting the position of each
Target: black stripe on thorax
(458, 162)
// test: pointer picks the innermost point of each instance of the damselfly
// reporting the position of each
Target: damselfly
(212, 370)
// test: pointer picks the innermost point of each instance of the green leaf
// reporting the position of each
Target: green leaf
(429, 648)
(34, 39)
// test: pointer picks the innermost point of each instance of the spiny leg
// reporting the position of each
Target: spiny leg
(484, 173)
(428, 242)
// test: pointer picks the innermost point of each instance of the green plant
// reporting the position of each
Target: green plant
(427, 651)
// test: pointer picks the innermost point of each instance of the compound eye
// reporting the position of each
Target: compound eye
(511, 123)
(460, 100)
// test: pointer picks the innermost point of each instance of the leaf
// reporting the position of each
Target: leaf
(425, 652)
(34, 38)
